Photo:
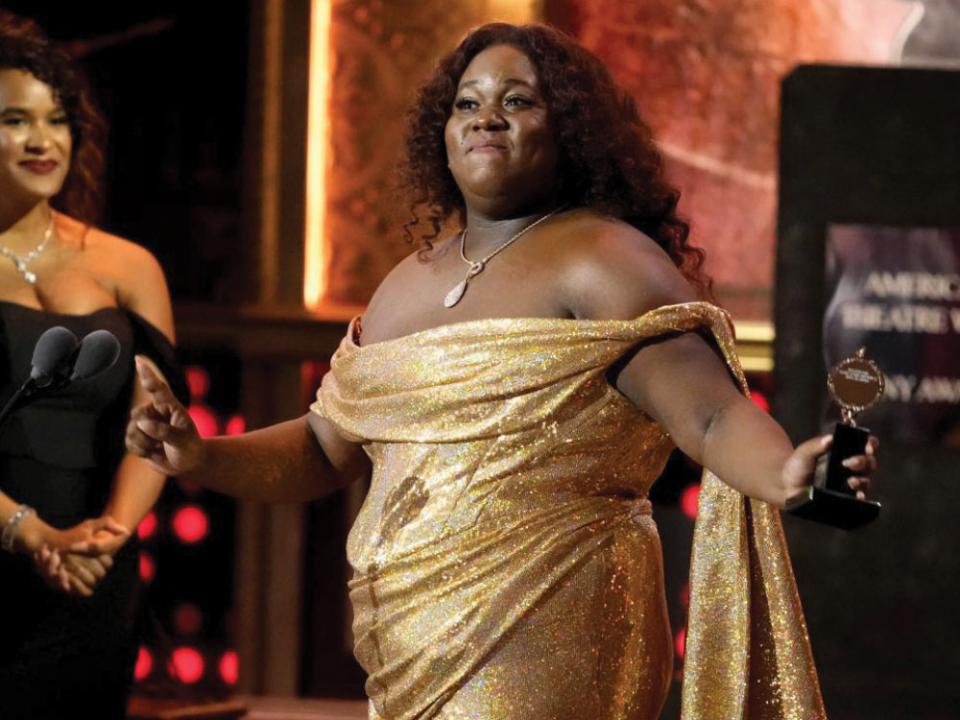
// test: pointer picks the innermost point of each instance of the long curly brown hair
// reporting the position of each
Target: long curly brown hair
(24, 46)
(608, 158)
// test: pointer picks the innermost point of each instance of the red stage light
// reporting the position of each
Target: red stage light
(190, 524)
(760, 400)
(680, 642)
(187, 619)
(198, 380)
(144, 664)
(147, 567)
(147, 526)
(689, 499)
(205, 420)
(236, 425)
(188, 665)
(230, 667)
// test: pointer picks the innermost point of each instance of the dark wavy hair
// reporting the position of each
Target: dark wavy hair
(24, 46)
(608, 159)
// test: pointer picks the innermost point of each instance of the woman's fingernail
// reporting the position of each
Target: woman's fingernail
(849, 463)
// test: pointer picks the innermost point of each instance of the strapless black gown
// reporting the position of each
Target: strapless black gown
(63, 656)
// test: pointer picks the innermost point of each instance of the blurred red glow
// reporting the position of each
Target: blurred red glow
(144, 664)
(190, 524)
(147, 567)
(236, 425)
(680, 642)
(147, 526)
(198, 380)
(205, 420)
(760, 400)
(230, 667)
(188, 665)
(689, 499)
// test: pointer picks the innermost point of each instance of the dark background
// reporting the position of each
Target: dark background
(171, 80)
(870, 146)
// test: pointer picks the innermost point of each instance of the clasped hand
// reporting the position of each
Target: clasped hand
(76, 559)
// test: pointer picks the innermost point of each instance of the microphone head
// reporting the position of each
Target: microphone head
(98, 352)
(52, 353)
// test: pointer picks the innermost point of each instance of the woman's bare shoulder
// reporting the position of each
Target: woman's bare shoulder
(131, 270)
(613, 270)
(121, 254)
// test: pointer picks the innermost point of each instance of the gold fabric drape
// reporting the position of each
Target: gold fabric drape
(505, 561)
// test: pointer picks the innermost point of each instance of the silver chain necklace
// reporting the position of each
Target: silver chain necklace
(478, 266)
(23, 261)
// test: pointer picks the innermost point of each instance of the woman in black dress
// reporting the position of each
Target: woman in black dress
(69, 493)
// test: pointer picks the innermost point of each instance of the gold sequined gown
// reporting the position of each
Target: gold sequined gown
(506, 565)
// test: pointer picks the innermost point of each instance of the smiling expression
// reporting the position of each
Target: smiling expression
(500, 147)
(35, 137)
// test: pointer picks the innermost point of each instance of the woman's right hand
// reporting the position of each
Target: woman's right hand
(93, 537)
(161, 430)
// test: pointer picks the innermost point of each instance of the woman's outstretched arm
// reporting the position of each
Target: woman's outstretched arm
(686, 387)
(682, 381)
(293, 461)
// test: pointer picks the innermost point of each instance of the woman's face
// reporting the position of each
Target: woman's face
(500, 146)
(35, 137)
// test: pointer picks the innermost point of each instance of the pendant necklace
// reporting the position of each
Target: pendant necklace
(23, 261)
(477, 266)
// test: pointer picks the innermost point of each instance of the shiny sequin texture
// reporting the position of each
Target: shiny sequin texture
(506, 565)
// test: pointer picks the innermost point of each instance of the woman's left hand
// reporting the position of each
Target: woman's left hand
(50, 567)
(72, 573)
(798, 471)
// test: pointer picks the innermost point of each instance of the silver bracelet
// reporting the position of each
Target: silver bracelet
(13, 525)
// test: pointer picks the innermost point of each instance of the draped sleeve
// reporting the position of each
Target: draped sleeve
(747, 649)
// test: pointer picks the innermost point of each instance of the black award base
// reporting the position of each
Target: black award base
(831, 501)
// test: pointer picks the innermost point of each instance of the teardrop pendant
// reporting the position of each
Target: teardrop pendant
(454, 296)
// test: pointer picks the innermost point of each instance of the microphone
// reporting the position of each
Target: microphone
(52, 354)
(98, 352)
(51, 362)
(59, 359)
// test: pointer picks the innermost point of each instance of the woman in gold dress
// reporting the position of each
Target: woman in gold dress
(512, 392)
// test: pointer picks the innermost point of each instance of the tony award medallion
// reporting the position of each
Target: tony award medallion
(855, 384)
